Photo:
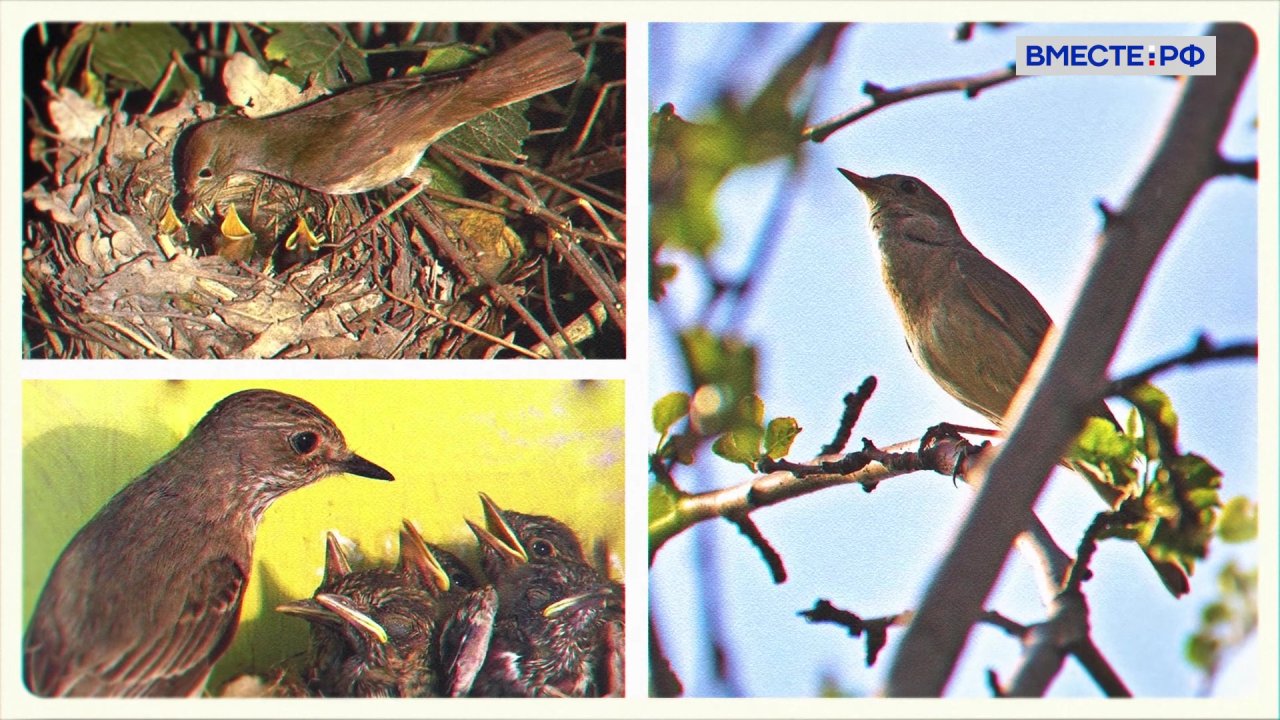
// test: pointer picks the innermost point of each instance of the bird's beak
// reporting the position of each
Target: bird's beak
(872, 191)
(864, 184)
(307, 609)
(336, 563)
(416, 557)
(513, 553)
(498, 534)
(341, 607)
(357, 465)
(604, 595)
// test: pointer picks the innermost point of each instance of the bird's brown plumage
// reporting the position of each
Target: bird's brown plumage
(146, 596)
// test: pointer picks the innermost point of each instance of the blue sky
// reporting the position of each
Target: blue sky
(1022, 166)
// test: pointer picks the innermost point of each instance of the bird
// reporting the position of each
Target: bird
(973, 327)
(374, 631)
(534, 633)
(510, 539)
(146, 596)
(370, 135)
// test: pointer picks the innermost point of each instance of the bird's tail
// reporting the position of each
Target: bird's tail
(537, 65)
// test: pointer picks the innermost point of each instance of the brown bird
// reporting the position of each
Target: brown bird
(374, 631)
(509, 539)
(535, 633)
(370, 135)
(970, 324)
(146, 597)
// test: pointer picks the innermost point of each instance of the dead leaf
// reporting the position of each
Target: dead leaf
(75, 117)
(261, 93)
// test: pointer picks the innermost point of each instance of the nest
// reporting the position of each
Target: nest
(509, 261)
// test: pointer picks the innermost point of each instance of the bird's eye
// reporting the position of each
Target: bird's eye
(542, 548)
(205, 173)
(304, 442)
(910, 186)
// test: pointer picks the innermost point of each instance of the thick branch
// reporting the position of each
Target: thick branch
(1047, 415)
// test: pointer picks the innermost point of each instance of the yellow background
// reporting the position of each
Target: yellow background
(542, 446)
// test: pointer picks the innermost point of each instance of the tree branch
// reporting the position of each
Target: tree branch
(1047, 414)
(882, 98)
(1203, 351)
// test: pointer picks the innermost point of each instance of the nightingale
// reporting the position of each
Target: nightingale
(370, 135)
(970, 324)
(374, 631)
(540, 626)
(146, 596)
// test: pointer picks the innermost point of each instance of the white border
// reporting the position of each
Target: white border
(15, 16)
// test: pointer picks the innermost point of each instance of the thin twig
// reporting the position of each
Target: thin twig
(882, 98)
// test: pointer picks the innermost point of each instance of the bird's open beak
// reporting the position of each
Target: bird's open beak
(498, 534)
(357, 465)
(336, 563)
(415, 556)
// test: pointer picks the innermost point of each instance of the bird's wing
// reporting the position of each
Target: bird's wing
(466, 640)
(175, 658)
(1005, 299)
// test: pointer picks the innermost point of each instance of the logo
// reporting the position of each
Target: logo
(1063, 55)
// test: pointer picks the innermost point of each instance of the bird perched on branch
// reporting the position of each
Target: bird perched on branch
(970, 324)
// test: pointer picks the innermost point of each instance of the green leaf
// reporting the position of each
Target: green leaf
(1100, 440)
(687, 163)
(444, 177)
(1156, 407)
(311, 49)
(740, 446)
(497, 134)
(1239, 522)
(452, 56)
(1202, 652)
(720, 360)
(1227, 622)
(751, 412)
(136, 56)
(669, 409)
(663, 502)
(779, 435)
